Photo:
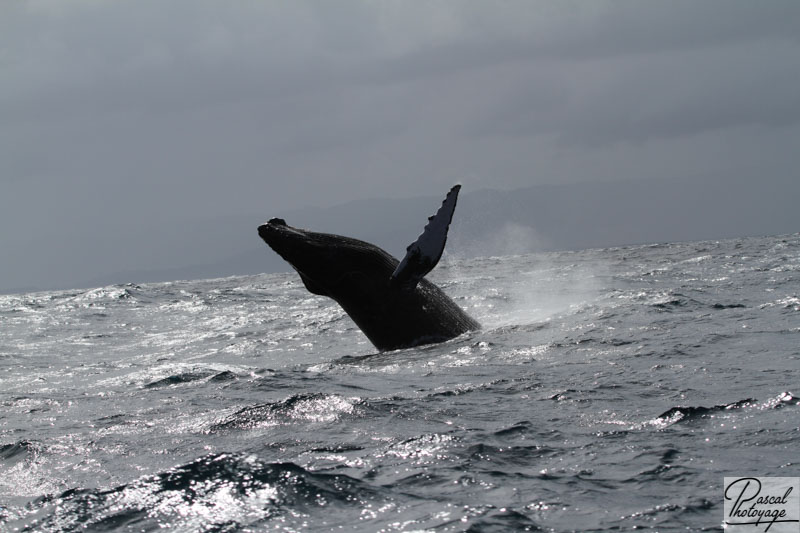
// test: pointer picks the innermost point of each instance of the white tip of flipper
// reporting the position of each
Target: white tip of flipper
(424, 253)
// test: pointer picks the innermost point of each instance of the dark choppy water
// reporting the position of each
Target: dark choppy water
(608, 389)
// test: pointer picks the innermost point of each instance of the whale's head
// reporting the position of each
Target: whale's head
(300, 248)
(328, 264)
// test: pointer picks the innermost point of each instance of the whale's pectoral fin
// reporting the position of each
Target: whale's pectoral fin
(312, 287)
(424, 253)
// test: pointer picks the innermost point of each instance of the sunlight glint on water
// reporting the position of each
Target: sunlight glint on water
(608, 389)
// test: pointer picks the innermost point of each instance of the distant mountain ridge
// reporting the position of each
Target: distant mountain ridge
(489, 222)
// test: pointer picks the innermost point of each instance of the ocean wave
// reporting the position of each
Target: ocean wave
(687, 414)
(314, 407)
(219, 492)
(18, 451)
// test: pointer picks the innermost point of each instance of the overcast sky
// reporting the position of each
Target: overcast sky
(129, 114)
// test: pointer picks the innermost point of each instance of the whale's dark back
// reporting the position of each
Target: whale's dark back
(394, 318)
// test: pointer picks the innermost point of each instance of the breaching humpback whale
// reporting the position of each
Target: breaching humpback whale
(390, 300)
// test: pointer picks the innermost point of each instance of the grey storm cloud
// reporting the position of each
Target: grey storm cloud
(116, 115)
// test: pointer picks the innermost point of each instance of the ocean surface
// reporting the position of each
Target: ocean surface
(608, 390)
